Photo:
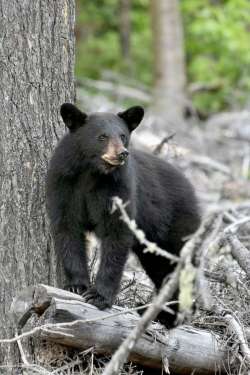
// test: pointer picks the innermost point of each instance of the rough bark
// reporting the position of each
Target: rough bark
(37, 60)
(187, 349)
(169, 61)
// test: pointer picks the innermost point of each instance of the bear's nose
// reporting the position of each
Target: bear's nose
(123, 155)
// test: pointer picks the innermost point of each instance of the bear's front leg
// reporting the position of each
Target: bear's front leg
(72, 250)
(113, 259)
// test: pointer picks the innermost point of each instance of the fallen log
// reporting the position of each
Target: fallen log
(64, 318)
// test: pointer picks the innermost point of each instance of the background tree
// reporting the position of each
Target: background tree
(37, 60)
(169, 60)
(216, 39)
(125, 29)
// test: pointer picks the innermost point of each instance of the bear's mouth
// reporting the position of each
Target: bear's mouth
(112, 162)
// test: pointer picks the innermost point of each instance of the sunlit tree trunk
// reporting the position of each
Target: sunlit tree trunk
(169, 60)
(125, 29)
(36, 75)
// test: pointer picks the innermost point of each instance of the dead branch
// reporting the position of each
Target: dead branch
(116, 89)
(210, 243)
(208, 163)
(239, 252)
(165, 140)
(198, 87)
(121, 90)
(150, 247)
(237, 328)
(233, 228)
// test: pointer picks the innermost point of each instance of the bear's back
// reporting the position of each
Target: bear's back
(165, 197)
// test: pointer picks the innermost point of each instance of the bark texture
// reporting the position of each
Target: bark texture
(37, 61)
(169, 60)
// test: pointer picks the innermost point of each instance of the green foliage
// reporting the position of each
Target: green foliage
(98, 44)
(217, 46)
(97, 37)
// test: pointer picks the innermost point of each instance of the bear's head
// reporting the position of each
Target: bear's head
(102, 138)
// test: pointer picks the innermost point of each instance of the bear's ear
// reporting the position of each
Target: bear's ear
(72, 116)
(132, 116)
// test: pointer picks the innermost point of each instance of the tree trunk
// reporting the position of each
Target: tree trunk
(37, 61)
(169, 61)
(125, 27)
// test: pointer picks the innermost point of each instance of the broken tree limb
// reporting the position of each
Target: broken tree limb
(237, 328)
(64, 318)
(239, 252)
(120, 89)
(115, 89)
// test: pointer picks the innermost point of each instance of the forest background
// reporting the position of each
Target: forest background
(216, 43)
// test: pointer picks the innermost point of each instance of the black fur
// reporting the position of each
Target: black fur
(80, 187)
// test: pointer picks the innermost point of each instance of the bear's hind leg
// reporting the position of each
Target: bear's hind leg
(157, 268)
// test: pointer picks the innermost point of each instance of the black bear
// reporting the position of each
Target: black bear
(92, 164)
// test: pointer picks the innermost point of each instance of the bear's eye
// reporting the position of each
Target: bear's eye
(123, 138)
(102, 137)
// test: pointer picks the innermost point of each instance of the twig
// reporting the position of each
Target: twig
(211, 243)
(239, 252)
(165, 140)
(22, 354)
(59, 371)
(210, 163)
(235, 326)
(198, 87)
(151, 247)
(116, 88)
(233, 228)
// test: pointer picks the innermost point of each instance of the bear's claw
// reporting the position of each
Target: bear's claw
(94, 298)
(77, 289)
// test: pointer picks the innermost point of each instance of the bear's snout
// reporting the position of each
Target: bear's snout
(115, 154)
(123, 155)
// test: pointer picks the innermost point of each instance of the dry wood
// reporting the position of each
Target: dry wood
(239, 252)
(237, 328)
(116, 89)
(186, 348)
(115, 86)
(209, 163)
(210, 243)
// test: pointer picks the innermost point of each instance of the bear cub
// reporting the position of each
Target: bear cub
(92, 164)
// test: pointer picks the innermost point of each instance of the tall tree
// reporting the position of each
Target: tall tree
(37, 61)
(169, 60)
(125, 28)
